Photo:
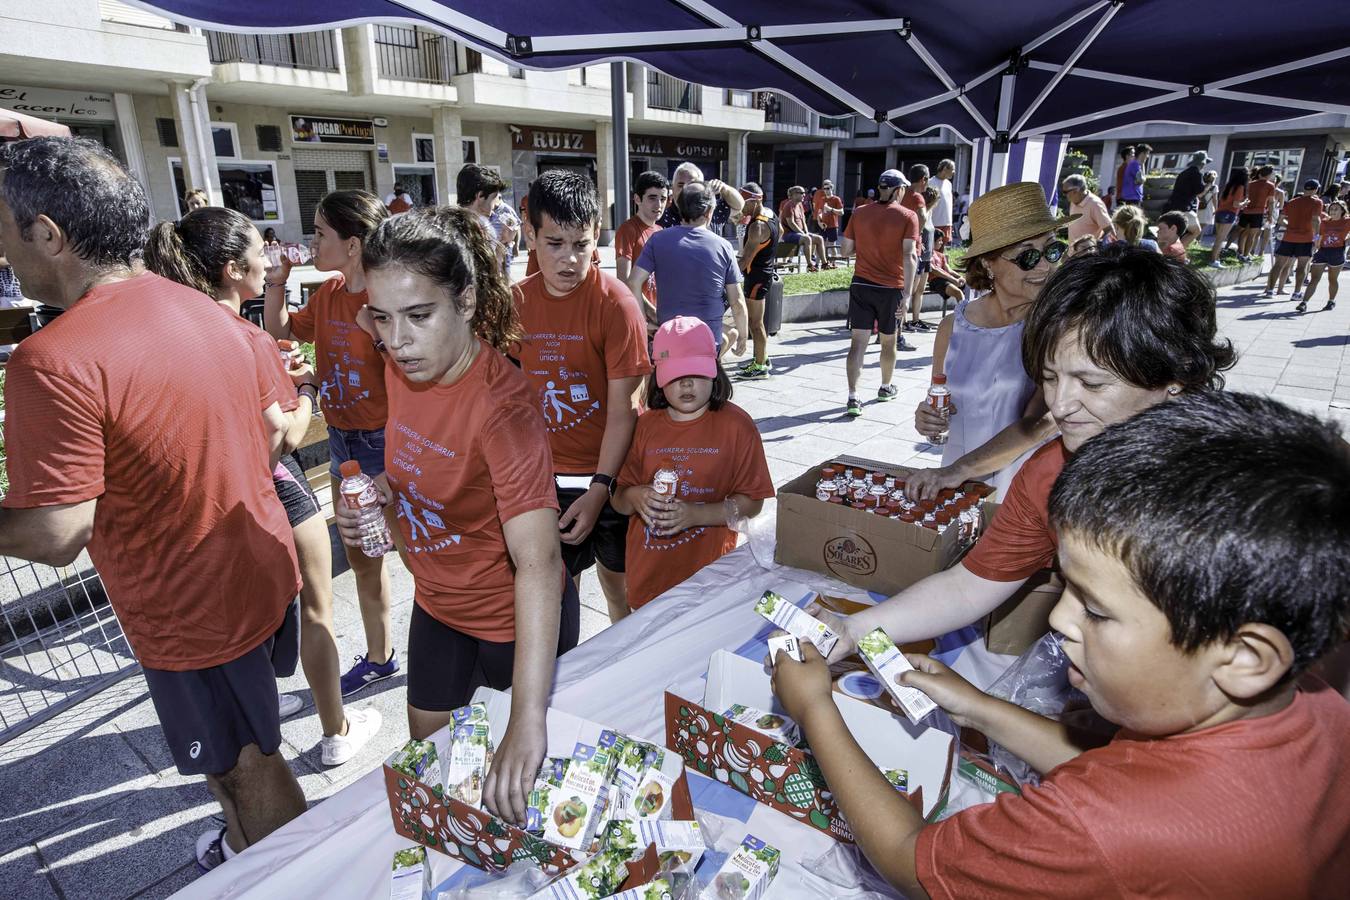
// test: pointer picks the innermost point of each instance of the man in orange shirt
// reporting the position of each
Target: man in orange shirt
(792, 216)
(884, 235)
(650, 193)
(584, 353)
(1303, 218)
(828, 208)
(163, 473)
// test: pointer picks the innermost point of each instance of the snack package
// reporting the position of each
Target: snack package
(599, 876)
(633, 761)
(651, 798)
(899, 779)
(677, 843)
(787, 643)
(795, 622)
(410, 874)
(746, 874)
(577, 805)
(665, 886)
(549, 779)
(773, 725)
(418, 760)
(888, 664)
(470, 754)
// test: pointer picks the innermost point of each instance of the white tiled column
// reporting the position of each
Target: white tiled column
(448, 130)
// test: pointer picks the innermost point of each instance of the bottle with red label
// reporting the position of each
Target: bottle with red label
(358, 492)
(940, 399)
(666, 480)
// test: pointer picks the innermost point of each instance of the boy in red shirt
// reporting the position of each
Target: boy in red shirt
(1171, 226)
(1228, 777)
(1302, 217)
(650, 193)
(584, 353)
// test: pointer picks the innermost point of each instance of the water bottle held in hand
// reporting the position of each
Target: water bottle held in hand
(358, 492)
(940, 398)
(666, 479)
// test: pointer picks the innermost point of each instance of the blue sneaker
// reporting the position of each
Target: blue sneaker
(366, 673)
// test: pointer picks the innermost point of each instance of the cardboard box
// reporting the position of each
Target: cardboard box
(786, 778)
(1024, 618)
(860, 548)
(475, 836)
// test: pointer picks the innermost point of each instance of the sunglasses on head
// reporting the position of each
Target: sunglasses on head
(1031, 257)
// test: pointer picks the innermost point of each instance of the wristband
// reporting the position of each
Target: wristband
(605, 481)
(312, 393)
(267, 283)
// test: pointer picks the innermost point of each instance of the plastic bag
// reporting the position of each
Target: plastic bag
(760, 532)
(523, 879)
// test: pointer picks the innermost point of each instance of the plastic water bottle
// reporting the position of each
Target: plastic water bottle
(359, 493)
(666, 479)
(940, 398)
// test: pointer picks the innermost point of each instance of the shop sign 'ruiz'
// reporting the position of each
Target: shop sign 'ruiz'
(551, 140)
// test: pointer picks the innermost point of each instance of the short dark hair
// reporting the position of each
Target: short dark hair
(475, 181)
(696, 200)
(721, 391)
(81, 187)
(567, 198)
(648, 180)
(1137, 313)
(1216, 528)
(1142, 148)
(1175, 219)
(352, 214)
(917, 172)
(1126, 150)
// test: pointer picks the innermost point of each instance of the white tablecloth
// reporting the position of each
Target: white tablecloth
(343, 847)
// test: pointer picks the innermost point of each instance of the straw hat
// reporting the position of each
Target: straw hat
(1009, 215)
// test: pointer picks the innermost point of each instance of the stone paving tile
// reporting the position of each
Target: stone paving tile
(23, 874)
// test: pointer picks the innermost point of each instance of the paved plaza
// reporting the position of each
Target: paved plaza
(92, 807)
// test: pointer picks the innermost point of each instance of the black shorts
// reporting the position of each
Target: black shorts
(924, 265)
(606, 542)
(209, 715)
(757, 286)
(939, 284)
(831, 234)
(1294, 249)
(870, 304)
(294, 491)
(445, 665)
(1253, 220)
(792, 237)
(1330, 256)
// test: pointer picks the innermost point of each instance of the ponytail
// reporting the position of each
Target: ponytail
(165, 255)
(195, 249)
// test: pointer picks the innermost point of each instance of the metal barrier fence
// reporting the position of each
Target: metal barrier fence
(304, 50)
(664, 92)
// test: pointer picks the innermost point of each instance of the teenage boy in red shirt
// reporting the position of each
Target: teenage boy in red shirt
(585, 354)
(1228, 777)
(650, 193)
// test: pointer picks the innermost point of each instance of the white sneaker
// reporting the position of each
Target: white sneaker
(290, 704)
(361, 727)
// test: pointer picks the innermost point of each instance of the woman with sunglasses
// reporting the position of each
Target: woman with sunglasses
(1013, 250)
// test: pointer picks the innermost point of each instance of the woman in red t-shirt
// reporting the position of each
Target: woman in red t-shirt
(468, 470)
(1330, 252)
(1112, 333)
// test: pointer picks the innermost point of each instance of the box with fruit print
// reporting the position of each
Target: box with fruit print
(424, 812)
(787, 778)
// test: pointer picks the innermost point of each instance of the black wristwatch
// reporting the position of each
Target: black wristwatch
(607, 481)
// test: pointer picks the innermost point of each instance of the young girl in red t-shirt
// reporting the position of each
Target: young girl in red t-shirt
(1330, 253)
(715, 451)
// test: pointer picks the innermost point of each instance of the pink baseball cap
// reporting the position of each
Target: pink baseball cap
(684, 346)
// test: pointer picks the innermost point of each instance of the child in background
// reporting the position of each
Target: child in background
(941, 279)
(1203, 576)
(717, 454)
(1329, 254)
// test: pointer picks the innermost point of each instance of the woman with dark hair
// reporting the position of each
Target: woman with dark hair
(220, 253)
(1232, 201)
(1112, 333)
(351, 383)
(468, 468)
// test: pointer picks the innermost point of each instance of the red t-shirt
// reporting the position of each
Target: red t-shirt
(100, 406)
(1302, 215)
(351, 370)
(718, 454)
(878, 231)
(1259, 193)
(913, 201)
(1334, 230)
(1230, 202)
(268, 354)
(819, 204)
(1020, 542)
(628, 243)
(1174, 250)
(462, 459)
(1254, 809)
(572, 348)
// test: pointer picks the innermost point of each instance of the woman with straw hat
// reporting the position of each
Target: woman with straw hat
(995, 409)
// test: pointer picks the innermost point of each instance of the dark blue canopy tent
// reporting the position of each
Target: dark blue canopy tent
(1002, 74)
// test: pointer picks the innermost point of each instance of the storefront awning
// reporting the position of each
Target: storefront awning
(15, 125)
(985, 68)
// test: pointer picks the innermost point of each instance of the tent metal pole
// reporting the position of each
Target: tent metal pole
(1330, 56)
(1111, 76)
(1107, 113)
(1314, 105)
(1065, 69)
(618, 94)
(936, 68)
(1064, 26)
(718, 35)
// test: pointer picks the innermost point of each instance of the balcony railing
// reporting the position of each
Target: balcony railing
(315, 50)
(412, 54)
(664, 92)
(780, 109)
(843, 124)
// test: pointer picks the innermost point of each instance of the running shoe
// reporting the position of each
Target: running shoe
(1266, 294)
(289, 705)
(211, 849)
(887, 392)
(902, 344)
(1296, 295)
(1302, 306)
(853, 409)
(1216, 265)
(755, 371)
(336, 749)
(1331, 304)
(365, 673)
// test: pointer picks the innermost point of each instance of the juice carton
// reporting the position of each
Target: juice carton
(899, 779)
(411, 874)
(577, 805)
(662, 887)
(790, 646)
(677, 843)
(418, 760)
(746, 874)
(773, 725)
(599, 876)
(651, 798)
(888, 664)
(470, 754)
(634, 758)
(795, 622)
(550, 778)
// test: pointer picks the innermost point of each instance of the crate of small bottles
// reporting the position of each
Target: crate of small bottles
(852, 519)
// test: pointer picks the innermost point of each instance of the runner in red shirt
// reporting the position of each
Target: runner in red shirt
(1260, 204)
(351, 375)
(468, 473)
(1330, 255)
(650, 192)
(1302, 217)
(161, 471)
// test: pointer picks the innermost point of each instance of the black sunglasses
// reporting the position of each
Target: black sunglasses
(1031, 257)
